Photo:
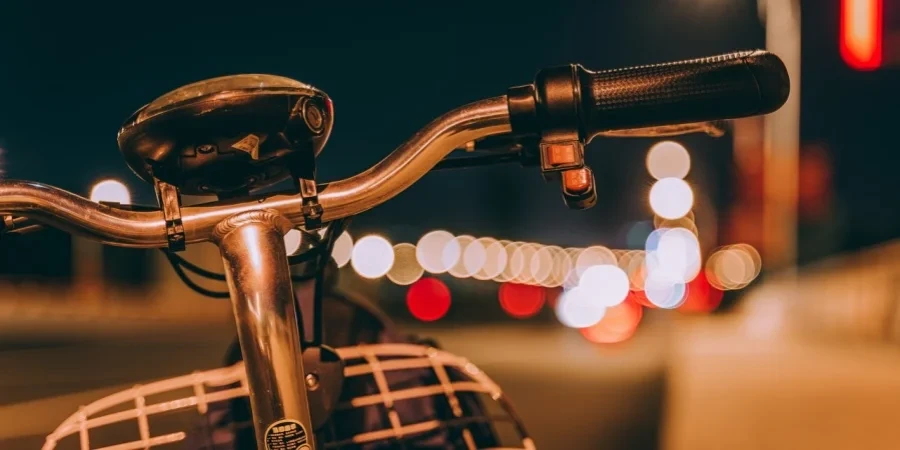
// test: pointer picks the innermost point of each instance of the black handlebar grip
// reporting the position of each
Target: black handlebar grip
(722, 87)
(569, 100)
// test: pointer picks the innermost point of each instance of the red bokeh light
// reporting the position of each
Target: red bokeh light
(618, 325)
(862, 33)
(702, 297)
(522, 300)
(428, 299)
(640, 297)
(553, 295)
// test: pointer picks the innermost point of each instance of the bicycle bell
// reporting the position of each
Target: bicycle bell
(226, 136)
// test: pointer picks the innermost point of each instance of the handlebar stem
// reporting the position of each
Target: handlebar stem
(259, 280)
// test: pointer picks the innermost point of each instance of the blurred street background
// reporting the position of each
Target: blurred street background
(745, 290)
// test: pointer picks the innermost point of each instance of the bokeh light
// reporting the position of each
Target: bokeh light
(664, 290)
(606, 284)
(428, 299)
(624, 260)
(292, 240)
(475, 256)
(671, 198)
(561, 266)
(373, 256)
(640, 297)
(542, 265)
(112, 191)
(678, 253)
(510, 271)
(660, 222)
(571, 278)
(593, 256)
(685, 222)
(406, 269)
(637, 270)
(653, 239)
(343, 249)
(520, 262)
(617, 325)
(521, 301)
(733, 267)
(702, 297)
(754, 257)
(668, 159)
(453, 258)
(553, 296)
(577, 308)
(495, 259)
(431, 248)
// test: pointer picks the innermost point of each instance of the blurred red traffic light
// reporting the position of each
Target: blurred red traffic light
(428, 299)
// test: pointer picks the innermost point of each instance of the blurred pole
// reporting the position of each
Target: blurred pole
(87, 267)
(781, 140)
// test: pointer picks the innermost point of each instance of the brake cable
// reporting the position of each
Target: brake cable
(320, 248)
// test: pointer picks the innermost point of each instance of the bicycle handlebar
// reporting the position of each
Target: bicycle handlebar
(722, 87)
(661, 96)
(399, 170)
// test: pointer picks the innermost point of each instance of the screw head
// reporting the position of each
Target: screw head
(312, 382)
(314, 117)
(206, 148)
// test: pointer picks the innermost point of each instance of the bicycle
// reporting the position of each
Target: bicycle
(229, 137)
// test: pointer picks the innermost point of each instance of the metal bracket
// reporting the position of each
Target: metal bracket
(312, 209)
(170, 202)
(7, 224)
(303, 169)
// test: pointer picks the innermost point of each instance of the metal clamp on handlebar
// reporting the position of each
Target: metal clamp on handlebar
(550, 109)
(312, 210)
(170, 202)
(7, 224)
(306, 118)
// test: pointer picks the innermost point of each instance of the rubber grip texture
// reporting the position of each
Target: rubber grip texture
(728, 86)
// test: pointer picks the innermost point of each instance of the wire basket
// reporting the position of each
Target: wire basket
(186, 412)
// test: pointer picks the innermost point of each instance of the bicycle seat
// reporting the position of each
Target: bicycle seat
(228, 135)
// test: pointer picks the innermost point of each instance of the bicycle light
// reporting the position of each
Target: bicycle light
(226, 136)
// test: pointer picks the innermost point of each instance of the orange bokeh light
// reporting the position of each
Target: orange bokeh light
(618, 325)
(428, 299)
(522, 300)
(862, 23)
(640, 297)
(553, 295)
(702, 297)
